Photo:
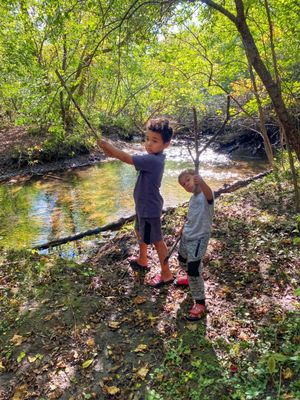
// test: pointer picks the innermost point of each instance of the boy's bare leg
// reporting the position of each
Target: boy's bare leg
(162, 252)
(143, 256)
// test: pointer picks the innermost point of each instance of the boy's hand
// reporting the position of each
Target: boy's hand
(205, 189)
(112, 151)
(105, 147)
(197, 179)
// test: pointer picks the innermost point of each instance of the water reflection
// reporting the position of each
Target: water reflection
(43, 210)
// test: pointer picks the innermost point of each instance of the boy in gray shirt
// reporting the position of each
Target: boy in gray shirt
(147, 197)
(194, 239)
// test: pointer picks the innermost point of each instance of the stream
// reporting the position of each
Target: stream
(73, 201)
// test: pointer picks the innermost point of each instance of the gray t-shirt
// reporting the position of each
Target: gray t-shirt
(199, 217)
(148, 200)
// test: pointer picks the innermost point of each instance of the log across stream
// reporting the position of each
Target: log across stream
(48, 208)
(120, 222)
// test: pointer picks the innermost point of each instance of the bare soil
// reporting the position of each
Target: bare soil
(96, 330)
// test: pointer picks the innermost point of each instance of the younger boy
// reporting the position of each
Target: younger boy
(147, 197)
(194, 239)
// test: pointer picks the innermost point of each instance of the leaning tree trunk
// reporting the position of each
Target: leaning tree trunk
(287, 120)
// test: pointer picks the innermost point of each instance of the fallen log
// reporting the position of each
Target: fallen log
(109, 227)
(117, 224)
(239, 184)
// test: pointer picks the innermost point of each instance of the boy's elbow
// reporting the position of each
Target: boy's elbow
(128, 159)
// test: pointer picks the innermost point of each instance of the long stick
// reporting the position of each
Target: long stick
(170, 252)
(76, 104)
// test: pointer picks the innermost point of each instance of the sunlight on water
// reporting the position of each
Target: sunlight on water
(42, 210)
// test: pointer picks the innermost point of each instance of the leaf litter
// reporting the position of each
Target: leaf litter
(101, 335)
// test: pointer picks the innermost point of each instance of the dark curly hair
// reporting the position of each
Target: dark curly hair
(161, 125)
(188, 171)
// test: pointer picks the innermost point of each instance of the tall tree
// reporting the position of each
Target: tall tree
(239, 19)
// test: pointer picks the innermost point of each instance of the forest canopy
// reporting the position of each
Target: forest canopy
(126, 61)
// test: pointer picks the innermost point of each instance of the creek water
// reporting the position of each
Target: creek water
(45, 209)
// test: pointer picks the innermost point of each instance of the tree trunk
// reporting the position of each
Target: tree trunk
(287, 120)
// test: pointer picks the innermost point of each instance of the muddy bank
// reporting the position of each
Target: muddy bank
(9, 169)
(17, 142)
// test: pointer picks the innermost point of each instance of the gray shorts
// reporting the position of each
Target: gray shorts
(149, 229)
(193, 250)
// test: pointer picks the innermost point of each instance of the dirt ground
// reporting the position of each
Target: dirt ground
(95, 329)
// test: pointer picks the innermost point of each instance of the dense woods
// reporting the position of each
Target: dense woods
(127, 61)
(91, 329)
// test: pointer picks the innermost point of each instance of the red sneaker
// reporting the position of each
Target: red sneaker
(181, 281)
(196, 312)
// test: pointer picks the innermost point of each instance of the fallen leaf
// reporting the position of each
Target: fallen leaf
(140, 300)
(34, 358)
(52, 315)
(111, 389)
(114, 324)
(14, 303)
(20, 393)
(90, 342)
(192, 327)
(141, 348)
(21, 356)
(87, 363)
(2, 368)
(152, 319)
(243, 336)
(142, 372)
(139, 313)
(17, 340)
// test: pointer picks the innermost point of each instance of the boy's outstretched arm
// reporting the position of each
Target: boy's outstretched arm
(206, 190)
(112, 151)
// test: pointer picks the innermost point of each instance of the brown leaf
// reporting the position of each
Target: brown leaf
(243, 336)
(2, 368)
(20, 393)
(111, 389)
(17, 340)
(141, 348)
(90, 342)
(140, 300)
(142, 372)
(114, 324)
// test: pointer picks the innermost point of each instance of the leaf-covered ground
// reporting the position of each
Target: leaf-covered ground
(95, 330)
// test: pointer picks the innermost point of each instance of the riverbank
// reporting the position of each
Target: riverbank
(16, 141)
(95, 330)
(20, 159)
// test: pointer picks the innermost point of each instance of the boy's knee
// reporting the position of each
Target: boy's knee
(193, 268)
(181, 259)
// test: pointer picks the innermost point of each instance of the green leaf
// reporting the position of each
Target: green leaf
(271, 365)
(297, 292)
(21, 356)
(87, 363)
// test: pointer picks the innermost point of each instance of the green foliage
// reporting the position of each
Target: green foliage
(190, 370)
(125, 61)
